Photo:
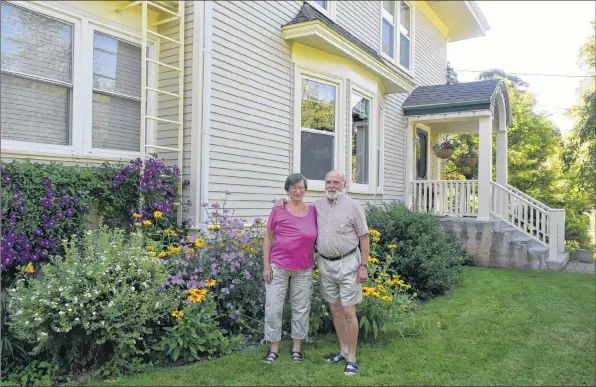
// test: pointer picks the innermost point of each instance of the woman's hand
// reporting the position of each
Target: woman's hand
(267, 274)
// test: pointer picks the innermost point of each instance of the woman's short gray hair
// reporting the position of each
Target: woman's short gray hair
(294, 179)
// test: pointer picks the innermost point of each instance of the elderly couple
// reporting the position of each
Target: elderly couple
(338, 225)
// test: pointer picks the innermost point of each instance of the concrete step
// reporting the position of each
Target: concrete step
(558, 263)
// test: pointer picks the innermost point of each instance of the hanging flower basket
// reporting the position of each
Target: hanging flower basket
(445, 148)
(443, 153)
(467, 160)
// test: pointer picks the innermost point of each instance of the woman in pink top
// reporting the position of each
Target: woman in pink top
(288, 252)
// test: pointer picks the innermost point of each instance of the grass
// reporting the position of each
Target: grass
(502, 327)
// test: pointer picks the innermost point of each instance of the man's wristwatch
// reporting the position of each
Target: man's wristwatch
(363, 265)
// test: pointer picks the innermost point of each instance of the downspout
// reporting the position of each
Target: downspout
(206, 124)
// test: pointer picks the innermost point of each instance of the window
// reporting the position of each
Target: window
(397, 16)
(404, 34)
(361, 121)
(37, 77)
(326, 7)
(388, 20)
(318, 124)
(68, 84)
(421, 153)
(116, 94)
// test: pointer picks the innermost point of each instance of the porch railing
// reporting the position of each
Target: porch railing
(446, 197)
(535, 219)
(460, 198)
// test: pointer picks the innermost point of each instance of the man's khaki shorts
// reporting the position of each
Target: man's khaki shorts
(339, 280)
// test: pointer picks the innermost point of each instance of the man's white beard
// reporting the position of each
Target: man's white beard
(333, 195)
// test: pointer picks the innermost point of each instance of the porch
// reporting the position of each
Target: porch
(480, 108)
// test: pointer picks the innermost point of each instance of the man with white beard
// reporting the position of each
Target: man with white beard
(343, 246)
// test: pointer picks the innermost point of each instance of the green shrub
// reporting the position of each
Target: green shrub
(96, 310)
(196, 332)
(425, 257)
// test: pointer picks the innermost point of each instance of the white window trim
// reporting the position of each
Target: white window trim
(397, 28)
(372, 142)
(330, 12)
(380, 148)
(339, 151)
(82, 81)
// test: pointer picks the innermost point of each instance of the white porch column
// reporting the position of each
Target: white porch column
(501, 166)
(485, 159)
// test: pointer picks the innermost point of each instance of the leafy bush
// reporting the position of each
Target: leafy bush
(196, 333)
(425, 256)
(43, 204)
(96, 310)
(228, 253)
(387, 301)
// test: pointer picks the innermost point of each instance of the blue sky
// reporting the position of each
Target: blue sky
(541, 37)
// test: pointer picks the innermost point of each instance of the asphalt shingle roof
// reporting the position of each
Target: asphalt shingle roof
(309, 13)
(460, 93)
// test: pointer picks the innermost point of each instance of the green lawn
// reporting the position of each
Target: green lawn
(502, 327)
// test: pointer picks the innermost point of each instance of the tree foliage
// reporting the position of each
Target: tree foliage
(579, 157)
(534, 163)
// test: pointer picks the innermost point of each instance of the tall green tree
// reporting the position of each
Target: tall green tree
(579, 157)
(534, 163)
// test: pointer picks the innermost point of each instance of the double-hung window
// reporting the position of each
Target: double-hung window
(318, 128)
(116, 94)
(70, 86)
(37, 77)
(396, 32)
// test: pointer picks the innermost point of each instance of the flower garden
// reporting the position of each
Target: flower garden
(140, 290)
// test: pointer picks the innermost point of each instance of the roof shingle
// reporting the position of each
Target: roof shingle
(460, 93)
(309, 13)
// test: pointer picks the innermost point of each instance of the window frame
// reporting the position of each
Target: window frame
(82, 87)
(330, 11)
(397, 29)
(372, 141)
(339, 151)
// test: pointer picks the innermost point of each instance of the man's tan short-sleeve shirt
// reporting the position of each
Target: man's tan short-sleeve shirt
(340, 224)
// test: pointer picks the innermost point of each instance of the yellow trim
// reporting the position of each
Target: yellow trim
(394, 79)
(432, 16)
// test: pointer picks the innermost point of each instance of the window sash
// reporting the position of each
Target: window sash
(317, 91)
(395, 53)
(81, 88)
(363, 106)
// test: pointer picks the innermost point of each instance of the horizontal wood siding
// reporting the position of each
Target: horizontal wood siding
(250, 111)
(362, 19)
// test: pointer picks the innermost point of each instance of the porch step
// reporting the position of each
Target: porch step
(559, 263)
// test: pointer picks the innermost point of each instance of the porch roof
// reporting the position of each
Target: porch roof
(458, 97)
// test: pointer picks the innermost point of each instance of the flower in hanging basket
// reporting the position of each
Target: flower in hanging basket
(448, 143)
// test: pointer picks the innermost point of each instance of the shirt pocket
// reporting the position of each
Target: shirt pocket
(345, 225)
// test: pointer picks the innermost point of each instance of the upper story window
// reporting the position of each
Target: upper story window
(63, 98)
(396, 32)
(327, 7)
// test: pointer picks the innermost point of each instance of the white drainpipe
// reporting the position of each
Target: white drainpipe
(206, 124)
